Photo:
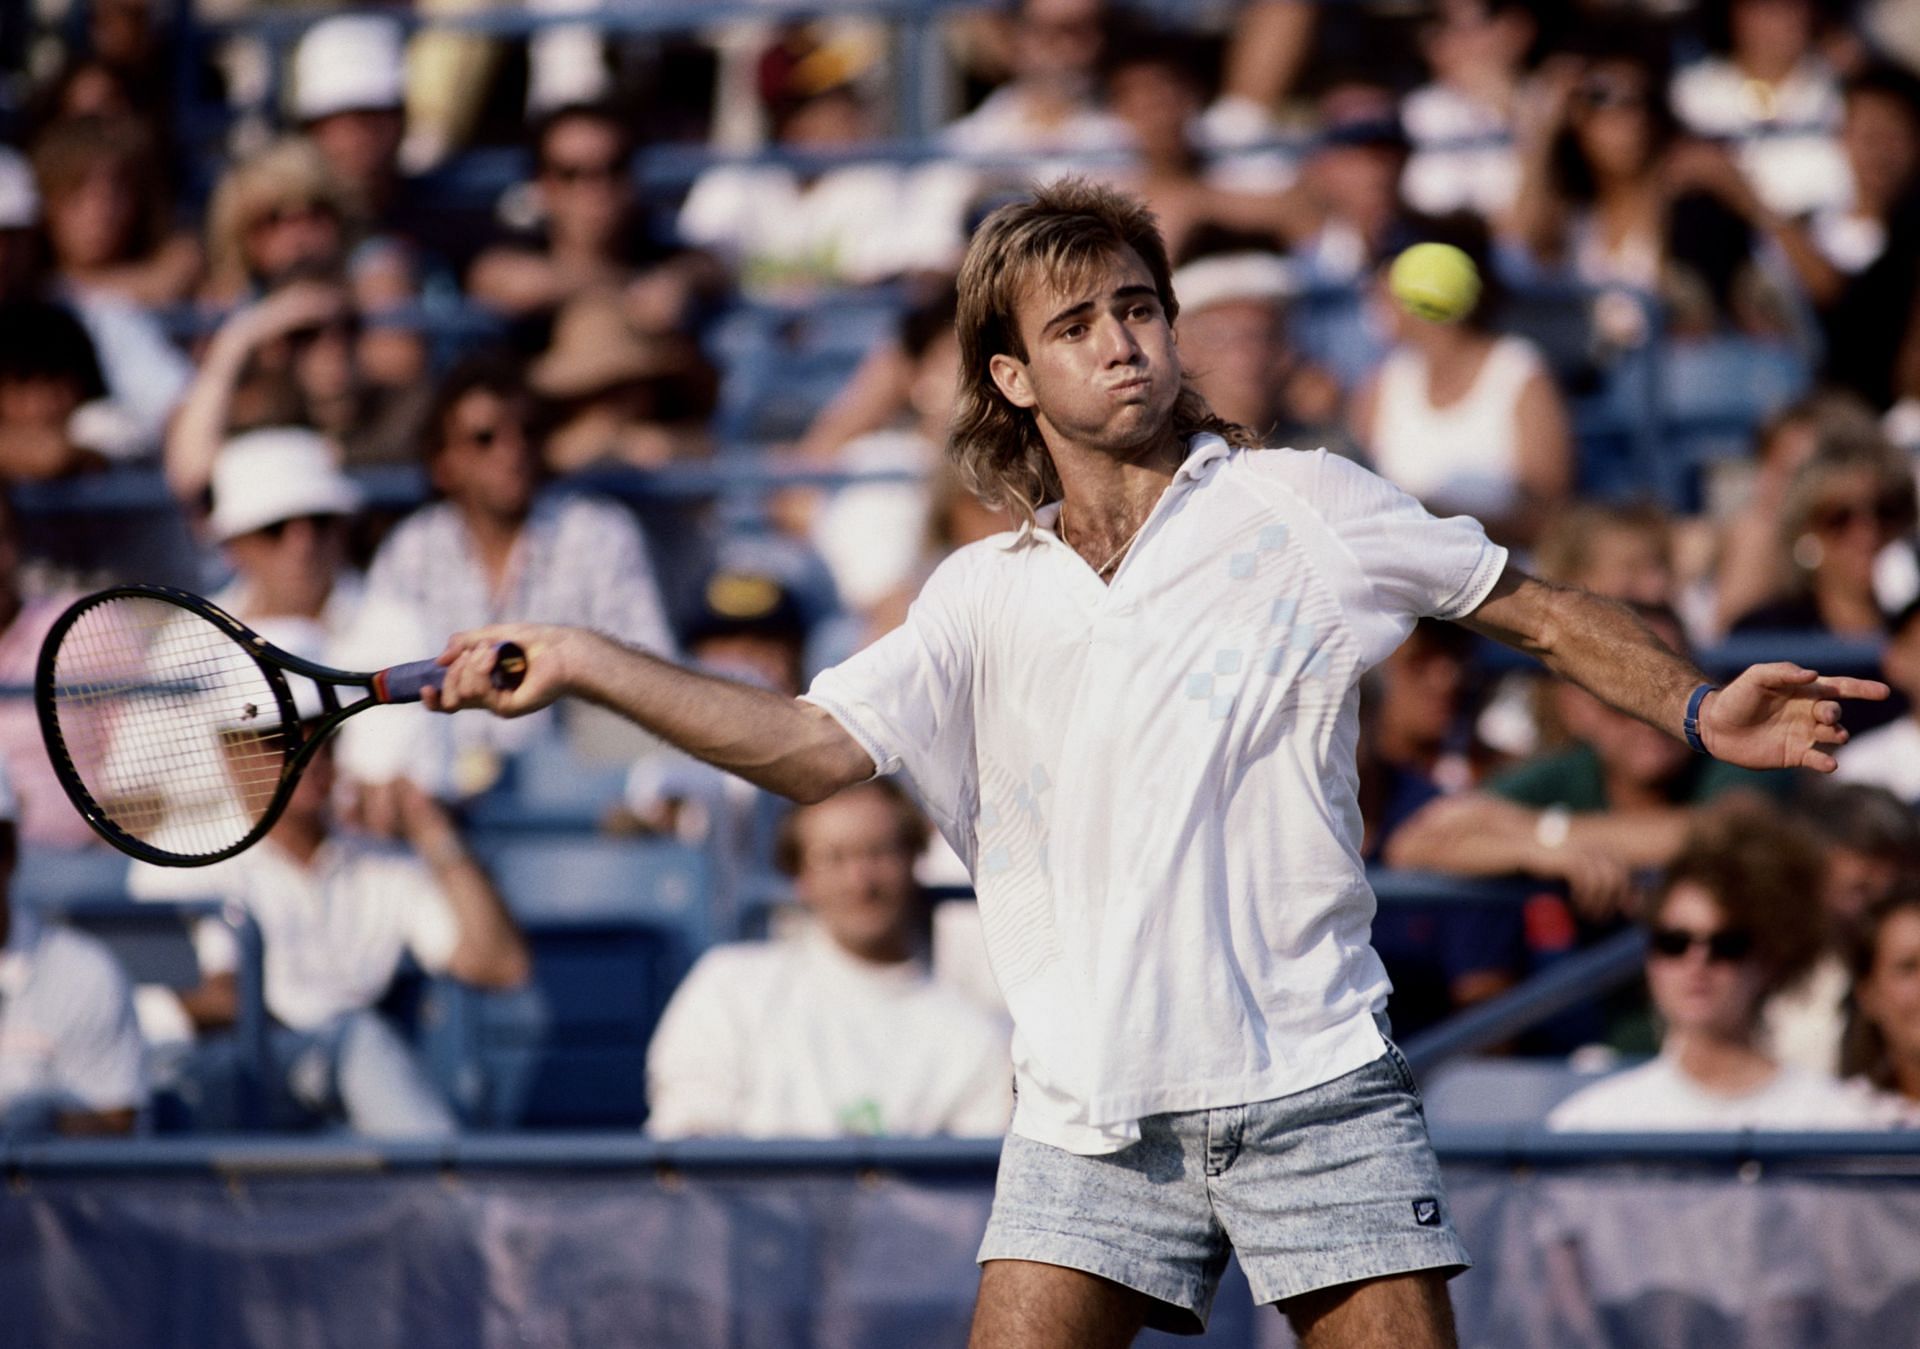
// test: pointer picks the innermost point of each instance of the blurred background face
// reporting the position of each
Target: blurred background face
(1882, 144)
(290, 234)
(360, 146)
(1611, 120)
(1360, 182)
(856, 874)
(1771, 34)
(290, 567)
(1851, 519)
(831, 121)
(1854, 882)
(486, 463)
(1628, 564)
(1469, 44)
(584, 181)
(1889, 995)
(1422, 684)
(1236, 352)
(1627, 746)
(91, 222)
(1158, 103)
(1697, 993)
(1058, 42)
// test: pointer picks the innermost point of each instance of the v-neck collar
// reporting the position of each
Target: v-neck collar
(1204, 452)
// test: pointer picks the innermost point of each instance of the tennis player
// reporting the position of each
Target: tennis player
(1135, 717)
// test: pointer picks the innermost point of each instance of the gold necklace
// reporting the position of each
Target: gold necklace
(1113, 561)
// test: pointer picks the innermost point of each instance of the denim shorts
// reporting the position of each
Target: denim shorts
(1323, 1187)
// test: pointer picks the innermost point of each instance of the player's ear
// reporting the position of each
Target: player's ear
(1010, 377)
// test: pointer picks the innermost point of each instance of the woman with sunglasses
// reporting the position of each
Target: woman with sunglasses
(1734, 921)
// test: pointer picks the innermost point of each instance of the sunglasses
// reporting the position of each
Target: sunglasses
(569, 174)
(1723, 947)
(278, 529)
(1603, 94)
(1889, 511)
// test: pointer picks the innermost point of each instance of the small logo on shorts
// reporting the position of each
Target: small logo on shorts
(1426, 1212)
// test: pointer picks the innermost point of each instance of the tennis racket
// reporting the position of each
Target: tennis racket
(174, 729)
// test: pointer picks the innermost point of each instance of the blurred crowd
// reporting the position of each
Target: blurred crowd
(387, 329)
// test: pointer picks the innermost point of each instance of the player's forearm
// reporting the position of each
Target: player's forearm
(773, 741)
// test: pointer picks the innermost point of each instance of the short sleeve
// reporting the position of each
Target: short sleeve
(1416, 564)
(427, 920)
(907, 699)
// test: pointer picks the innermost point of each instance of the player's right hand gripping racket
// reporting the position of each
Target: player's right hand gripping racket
(174, 729)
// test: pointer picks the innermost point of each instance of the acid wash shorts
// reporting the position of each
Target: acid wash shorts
(1323, 1187)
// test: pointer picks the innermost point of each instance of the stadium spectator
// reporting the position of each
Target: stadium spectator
(617, 393)
(591, 233)
(1882, 1047)
(40, 812)
(282, 512)
(1597, 200)
(1239, 353)
(1889, 756)
(1465, 418)
(71, 1060)
(1461, 122)
(1416, 746)
(273, 214)
(349, 75)
(1768, 90)
(1619, 799)
(839, 1030)
(1351, 185)
(791, 230)
(106, 218)
(872, 535)
(52, 396)
(144, 373)
(293, 358)
(1049, 107)
(1734, 921)
(1870, 845)
(337, 913)
(496, 547)
(1849, 501)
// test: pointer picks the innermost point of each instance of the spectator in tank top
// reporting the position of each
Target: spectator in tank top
(1467, 419)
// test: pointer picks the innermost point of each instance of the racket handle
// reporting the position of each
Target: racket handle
(405, 683)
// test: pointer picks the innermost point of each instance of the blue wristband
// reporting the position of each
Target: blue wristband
(1690, 727)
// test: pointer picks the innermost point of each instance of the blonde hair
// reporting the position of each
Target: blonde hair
(290, 171)
(1065, 230)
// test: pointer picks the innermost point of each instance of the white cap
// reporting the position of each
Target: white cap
(278, 473)
(349, 63)
(1234, 276)
(19, 196)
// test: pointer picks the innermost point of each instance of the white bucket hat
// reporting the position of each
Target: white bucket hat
(279, 473)
(1234, 276)
(348, 64)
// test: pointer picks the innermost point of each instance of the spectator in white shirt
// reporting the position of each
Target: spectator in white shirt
(839, 1030)
(336, 915)
(496, 548)
(1461, 123)
(71, 1060)
(1735, 920)
(1772, 91)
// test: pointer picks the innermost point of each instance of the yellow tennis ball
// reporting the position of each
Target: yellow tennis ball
(1436, 282)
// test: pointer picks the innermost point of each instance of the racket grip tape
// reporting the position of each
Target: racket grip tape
(405, 683)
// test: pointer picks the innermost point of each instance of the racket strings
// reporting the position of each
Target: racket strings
(169, 723)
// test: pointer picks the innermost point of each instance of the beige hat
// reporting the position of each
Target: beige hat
(278, 473)
(350, 63)
(594, 348)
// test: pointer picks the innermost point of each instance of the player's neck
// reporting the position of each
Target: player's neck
(1107, 498)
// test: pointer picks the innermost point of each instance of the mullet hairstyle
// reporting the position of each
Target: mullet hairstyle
(1065, 231)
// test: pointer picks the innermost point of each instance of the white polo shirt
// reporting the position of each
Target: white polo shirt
(1153, 781)
(68, 1038)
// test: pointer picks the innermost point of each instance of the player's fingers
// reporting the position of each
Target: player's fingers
(1830, 733)
(1840, 686)
(1818, 761)
(1782, 674)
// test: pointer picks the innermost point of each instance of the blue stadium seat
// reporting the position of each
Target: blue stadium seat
(549, 877)
(548, 786)
(52, 876)
(781, 366)
(1487, 1092)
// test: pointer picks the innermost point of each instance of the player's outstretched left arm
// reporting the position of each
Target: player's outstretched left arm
(1773, 716)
